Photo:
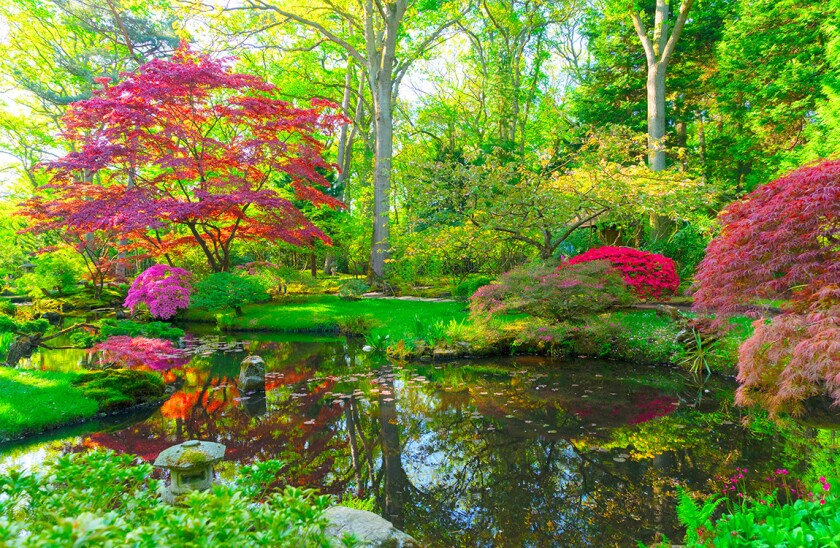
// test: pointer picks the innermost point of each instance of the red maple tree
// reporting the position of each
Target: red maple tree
(187, 153)
(782, 242)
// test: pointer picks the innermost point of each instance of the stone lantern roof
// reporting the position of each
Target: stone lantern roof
(191, 454)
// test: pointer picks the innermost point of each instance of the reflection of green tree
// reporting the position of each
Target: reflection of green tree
(480, 455)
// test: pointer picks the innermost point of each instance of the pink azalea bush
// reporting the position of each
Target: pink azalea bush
(163, 289)
(158, 354)
(649, 275)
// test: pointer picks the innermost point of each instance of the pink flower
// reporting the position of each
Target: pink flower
(162, 288)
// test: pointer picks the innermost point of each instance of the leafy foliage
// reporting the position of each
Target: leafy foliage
(790, 359)
(565, 294)
(782, 241)
(153, 330)
(163, 289)
(59, 270)
(225, 290)
(651, 276)
(353, 289)
(99, 498)
(813, 520)
(187, 153)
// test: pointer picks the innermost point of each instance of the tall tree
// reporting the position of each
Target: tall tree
(658, 51)
(384, 39)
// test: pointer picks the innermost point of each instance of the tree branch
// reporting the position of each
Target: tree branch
(675, 35)
(643, 37)
(262, 5)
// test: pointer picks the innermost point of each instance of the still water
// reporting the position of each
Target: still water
(496, 452)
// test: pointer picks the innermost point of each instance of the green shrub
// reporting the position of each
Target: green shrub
(812, 521)
(102, 499)
(466, 289)
(568, 294)
(7, 307)
(357, 325)
(115, 389)
(352, 289)
(226, 290)
(129, 328)
(29, 327)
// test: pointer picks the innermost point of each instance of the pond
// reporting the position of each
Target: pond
(495, 452)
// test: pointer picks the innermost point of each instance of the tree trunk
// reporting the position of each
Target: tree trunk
(656, 116)
(382, 181)
(658, 53)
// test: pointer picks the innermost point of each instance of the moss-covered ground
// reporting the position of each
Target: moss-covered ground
(33, 400)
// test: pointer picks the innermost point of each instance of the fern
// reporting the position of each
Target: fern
(692, 515)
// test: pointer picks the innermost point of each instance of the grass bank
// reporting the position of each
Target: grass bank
(435, 329)
(34, 401)
(318, 313)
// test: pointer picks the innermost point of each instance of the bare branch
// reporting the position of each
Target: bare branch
(641, 32)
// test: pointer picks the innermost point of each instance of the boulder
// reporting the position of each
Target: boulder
(368, 528)
(252, 374)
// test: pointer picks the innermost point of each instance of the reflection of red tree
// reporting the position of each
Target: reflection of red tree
(213, 398)
(651, 406)
(158, 354)
(146, 448)
(301, 430)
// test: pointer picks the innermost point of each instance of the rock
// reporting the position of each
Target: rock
(368, 528)
(22, 347)
(122, 314)
(445, 354)
(252, 374)
(53, 317)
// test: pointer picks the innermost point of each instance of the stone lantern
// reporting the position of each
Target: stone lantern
(190, 466)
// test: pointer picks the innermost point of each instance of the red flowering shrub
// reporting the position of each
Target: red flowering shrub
(566, 294)
(782, 242)
(651, 276)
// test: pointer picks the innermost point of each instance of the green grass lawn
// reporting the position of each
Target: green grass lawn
(34, 400)
(394, 317)
(37, 400)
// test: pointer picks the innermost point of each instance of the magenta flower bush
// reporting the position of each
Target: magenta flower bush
(163, 289)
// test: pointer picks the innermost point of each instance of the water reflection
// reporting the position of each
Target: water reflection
(508, 452)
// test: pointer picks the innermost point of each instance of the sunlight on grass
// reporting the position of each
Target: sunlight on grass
(35, 399)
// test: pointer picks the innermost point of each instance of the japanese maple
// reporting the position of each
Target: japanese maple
(782, 242)
(650, 275)
(187, 153)
(567, 294)
(162, 289)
